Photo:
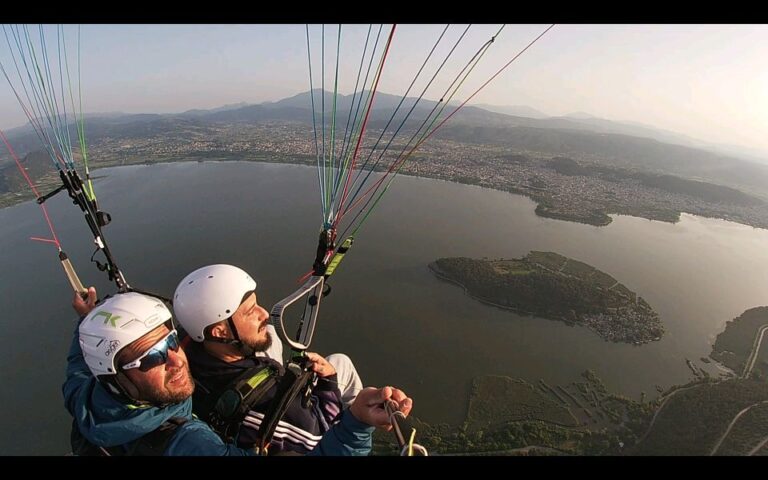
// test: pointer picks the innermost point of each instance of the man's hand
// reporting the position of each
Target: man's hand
(84, 305)
(320, 365)
(368, 407)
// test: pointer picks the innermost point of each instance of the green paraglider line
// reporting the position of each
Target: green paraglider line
(357, 128)
(347, 132)
(56, 137)
(314, 127)
(333, 114)
(401, 162)
(367, 116)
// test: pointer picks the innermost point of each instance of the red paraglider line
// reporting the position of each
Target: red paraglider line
(362, 131)
(55, 239)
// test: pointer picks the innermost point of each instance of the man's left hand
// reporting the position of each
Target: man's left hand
(320, 365)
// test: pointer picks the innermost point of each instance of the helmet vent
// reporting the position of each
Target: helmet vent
(227, 310)
(210, 276)
(191, 282)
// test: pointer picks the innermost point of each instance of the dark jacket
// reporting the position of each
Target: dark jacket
(300, 429)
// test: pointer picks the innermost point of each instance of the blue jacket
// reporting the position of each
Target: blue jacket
(108, 422)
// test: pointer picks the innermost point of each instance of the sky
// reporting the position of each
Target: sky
(709, 82)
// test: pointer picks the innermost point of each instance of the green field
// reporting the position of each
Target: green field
(508, 416)
(497, 400)
(549, 260)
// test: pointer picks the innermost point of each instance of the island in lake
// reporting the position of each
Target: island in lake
(549, 285)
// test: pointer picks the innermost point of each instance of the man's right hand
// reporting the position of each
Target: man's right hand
(84, 305)
(368, 407)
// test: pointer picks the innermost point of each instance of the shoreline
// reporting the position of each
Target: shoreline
(541, 210)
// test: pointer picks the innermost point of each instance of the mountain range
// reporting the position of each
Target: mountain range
(519, 127)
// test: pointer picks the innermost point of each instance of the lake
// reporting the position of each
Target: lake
(400, 324)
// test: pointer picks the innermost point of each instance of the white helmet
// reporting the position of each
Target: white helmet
(114, 324)
(208, 295)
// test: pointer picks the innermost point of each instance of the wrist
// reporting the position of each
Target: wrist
(353, 422)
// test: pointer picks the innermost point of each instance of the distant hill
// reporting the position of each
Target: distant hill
(198, 111)
(37, 165)
(602, 125)
(579, 116)
(623, 151)
(515, 110)
(586, 121)
(382, 101)
(751, 154)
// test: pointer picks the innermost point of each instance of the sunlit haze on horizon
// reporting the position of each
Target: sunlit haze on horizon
(704, 81)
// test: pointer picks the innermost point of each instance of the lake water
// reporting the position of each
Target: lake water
(400, 324)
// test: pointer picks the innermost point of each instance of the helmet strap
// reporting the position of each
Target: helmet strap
(244, 349)
(125, 390)
(121, 387)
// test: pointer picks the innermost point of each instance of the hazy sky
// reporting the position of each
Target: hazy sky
(706, 81)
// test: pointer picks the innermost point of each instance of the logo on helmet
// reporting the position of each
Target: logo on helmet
(108, 317)
(112, 347)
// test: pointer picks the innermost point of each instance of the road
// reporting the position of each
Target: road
(658, 410)
(758, 447)
(755, 351)
(730, 425)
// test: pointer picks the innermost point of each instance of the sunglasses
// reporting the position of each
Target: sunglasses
(157, 355)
